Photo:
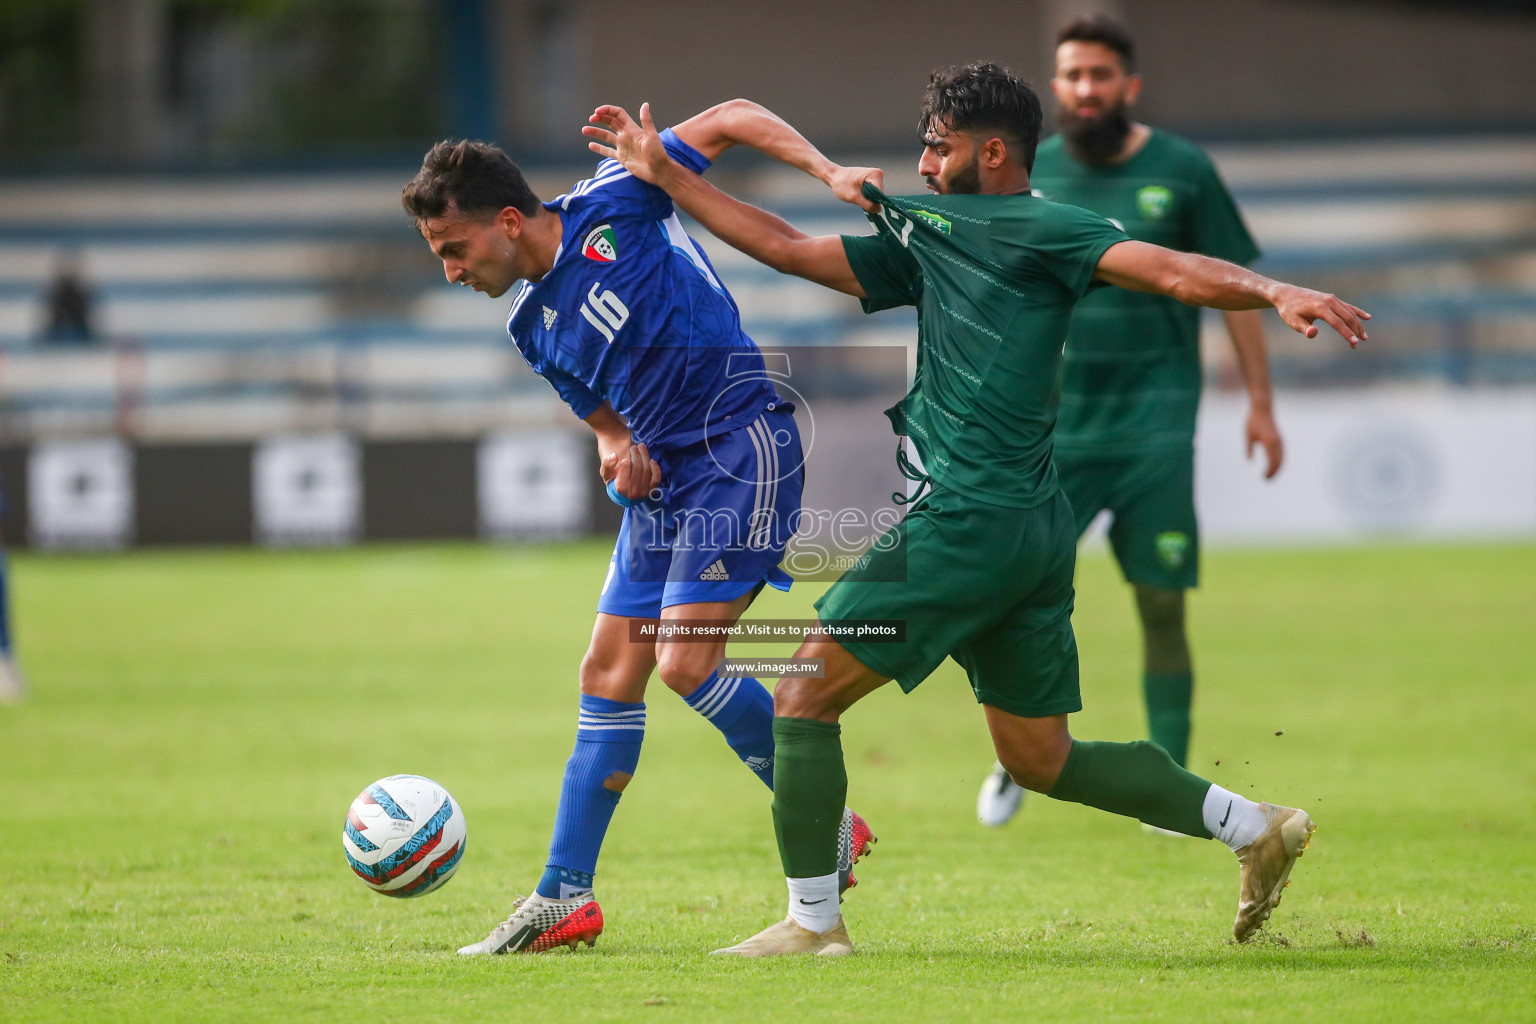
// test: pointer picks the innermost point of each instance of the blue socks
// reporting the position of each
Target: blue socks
(608, 738)
(5, 617)
(743, 712)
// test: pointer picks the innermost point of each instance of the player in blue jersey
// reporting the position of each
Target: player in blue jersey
(625, 317)
(12, 686)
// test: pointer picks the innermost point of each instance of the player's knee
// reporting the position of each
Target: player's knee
(682, 669)
(1023, 773)
(806, 698)
(1035, 768)
(595, 675)
(1034, 758)
(602, 675)
(1161, 610)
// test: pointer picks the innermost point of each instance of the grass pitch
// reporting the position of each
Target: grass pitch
(175, 792)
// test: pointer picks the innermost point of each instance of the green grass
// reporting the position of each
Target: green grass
(175, 789)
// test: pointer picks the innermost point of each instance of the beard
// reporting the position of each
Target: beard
(966, 182)
(1095, 140)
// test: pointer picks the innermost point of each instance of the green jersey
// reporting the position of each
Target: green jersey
(994, 280)
(1131, 377)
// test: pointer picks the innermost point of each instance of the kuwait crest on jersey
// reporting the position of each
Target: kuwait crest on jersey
(599, 244)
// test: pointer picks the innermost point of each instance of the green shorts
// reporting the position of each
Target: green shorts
(986, 585)
(1154, 534)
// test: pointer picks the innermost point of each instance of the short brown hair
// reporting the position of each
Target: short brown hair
(1104, 30)
(476, 177)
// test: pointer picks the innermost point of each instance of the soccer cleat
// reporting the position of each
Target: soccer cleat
(1267, 863)
(789, 939)
(539, 923)
(853, 841)
(999, 799)
(13, 686)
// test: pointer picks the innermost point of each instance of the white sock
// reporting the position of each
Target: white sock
(1235, 820)
(813, 902)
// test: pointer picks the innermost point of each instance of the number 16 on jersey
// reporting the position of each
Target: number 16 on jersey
(604, 311)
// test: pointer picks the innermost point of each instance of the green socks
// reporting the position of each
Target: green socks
(810, 786)
(1138, 780)
(1168, 697)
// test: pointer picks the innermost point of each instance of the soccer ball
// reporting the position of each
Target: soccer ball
(404, 836)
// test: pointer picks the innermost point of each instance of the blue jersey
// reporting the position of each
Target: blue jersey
(633, 313)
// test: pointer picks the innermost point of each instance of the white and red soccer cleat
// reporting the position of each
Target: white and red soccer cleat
(853, 841)
(539, 923)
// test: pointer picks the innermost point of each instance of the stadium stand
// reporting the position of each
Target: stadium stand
(229, 307)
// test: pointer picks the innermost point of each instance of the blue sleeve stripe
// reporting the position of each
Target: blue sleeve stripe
(517, 304)
(684, 153)
(615, 172)
(681, 244)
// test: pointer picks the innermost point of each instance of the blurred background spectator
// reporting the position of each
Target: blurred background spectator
(69, 305)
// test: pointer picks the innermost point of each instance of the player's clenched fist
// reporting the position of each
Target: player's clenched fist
(632, 472)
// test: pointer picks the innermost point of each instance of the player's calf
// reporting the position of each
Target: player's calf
(743, 712)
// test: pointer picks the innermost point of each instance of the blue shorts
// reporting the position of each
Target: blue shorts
(717, 527)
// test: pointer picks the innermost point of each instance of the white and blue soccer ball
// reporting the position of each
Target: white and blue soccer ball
(404, 836)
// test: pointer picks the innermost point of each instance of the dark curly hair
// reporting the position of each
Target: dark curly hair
(1104, 30)
(476, 177)
(981, 97)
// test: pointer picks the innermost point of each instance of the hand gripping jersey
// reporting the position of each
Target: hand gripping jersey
(634, 313)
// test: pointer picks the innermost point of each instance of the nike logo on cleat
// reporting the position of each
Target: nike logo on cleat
(812, 903)
(1223, 822)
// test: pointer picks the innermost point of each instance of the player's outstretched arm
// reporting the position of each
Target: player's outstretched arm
(758, 233)
(741, 122)
(1203, 281)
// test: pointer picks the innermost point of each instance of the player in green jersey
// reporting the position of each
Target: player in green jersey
(1131, 373)
(981, 567)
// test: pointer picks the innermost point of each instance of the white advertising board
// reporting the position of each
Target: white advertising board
(307, 490)
(80, 493)
(534, 484)
(1372, 465)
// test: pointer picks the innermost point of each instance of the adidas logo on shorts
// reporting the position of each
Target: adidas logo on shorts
(715, 571)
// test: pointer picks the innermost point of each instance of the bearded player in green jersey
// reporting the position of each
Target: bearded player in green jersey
(981, 567)
(1131, 373)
